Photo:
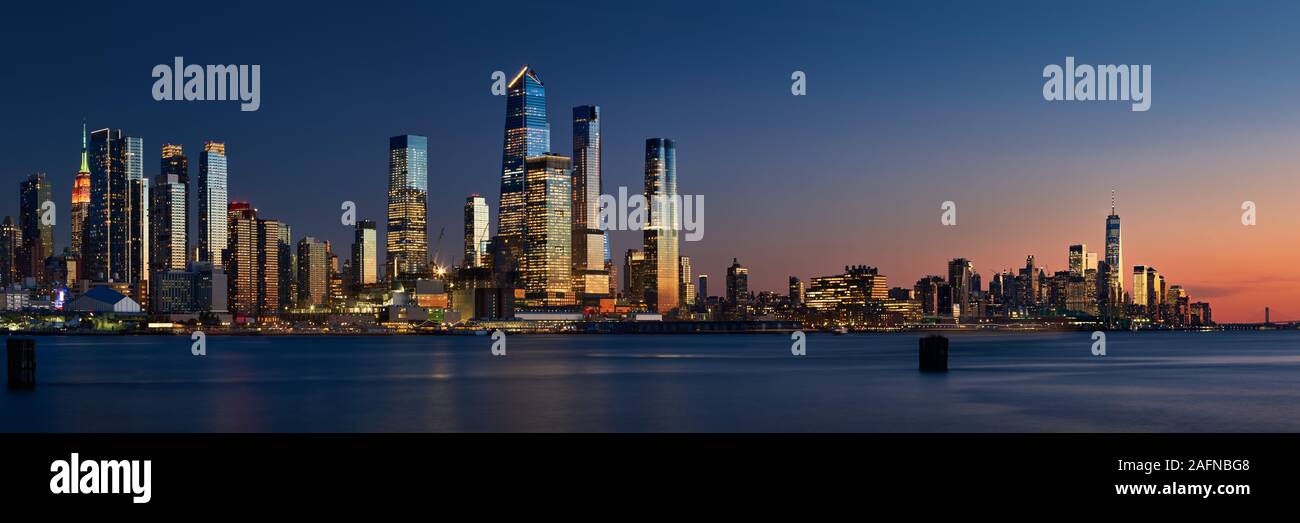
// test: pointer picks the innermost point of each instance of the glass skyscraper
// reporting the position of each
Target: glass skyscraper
(548, 249)
(108, 218)
(168, 214)
(476, 231)
(37, 236)
(138, 187)
(214, 203)
(660, 235)
(408, 189)
(365, 252)
(590, 278)
(527, 134)
(1114, 260)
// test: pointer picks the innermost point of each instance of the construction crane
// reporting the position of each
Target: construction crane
(437, 247)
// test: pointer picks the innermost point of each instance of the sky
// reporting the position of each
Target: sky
(908, 105)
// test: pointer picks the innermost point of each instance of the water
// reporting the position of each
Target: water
(1148, 382)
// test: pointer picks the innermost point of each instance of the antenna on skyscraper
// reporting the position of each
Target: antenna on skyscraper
(1112, 201)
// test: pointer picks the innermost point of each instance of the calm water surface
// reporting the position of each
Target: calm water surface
(1149, 382)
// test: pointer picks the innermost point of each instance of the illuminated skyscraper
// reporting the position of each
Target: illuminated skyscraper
(80, 198)
(11, 240)
(660, 235)
(167, 218)
(408, 190)
(313, 272)
(253, 262)
(138, 200)
(38, 235)
(108, 231)
(365, 255)
(213, 197)
(590, 279)
(288, 267)
(548, 265)
(527, 134)
(1115, 262)
(634, 277)
(174, 162)
(738, 285)
(959, 284)
(687, 293)
(476, 232)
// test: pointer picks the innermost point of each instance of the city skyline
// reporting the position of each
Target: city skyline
(1180, 198)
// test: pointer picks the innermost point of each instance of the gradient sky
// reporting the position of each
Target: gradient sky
(907, 106)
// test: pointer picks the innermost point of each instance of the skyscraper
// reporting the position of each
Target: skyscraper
(660, 235)
(168, 214)
(108, 232)
(737, 285)
(11, 240)
(703, 291)
(288, 267)
(527, 134)
(241, 260)
(313, 272)
(80, 198)
(365, 255)
(959, 276)
(174, 162)
(408, 190)
(38, 237)
(634, 277)
(687, 295)
(548, 262)
(1115, 262)
(138, 201)
(213, 197)
(796, 292)
(590, 279)
(476, 231)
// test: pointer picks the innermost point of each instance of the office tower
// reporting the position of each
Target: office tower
(107, 232)
(634, 277)
(660, 235)
(796, 292)
(1139, 295)
(213, 197)
(1115, 261)
(80, 198)
(527, 134)
(959, 275)
(138, 196)
(703, 292)
(928, 288)
(687, 294)
(1029, 284)
(241, 260)
(313, 273)
(169, 215)
(548, 231)
(288, 267)
(476, 231)
(174, 162)
(858, 286)
(590, 280)
(1078, 254)
(11, 241)
(365, 255)
(38, 236)
(195, 290)
(737, 285)
(408, 192)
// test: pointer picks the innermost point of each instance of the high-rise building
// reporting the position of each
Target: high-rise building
(858, 286)
(138, 196)
(38, 235)
(1077, 258)
(796, 292)
(108, 231)
(737, 285)
(634, 277)
(174, 162)
(1115, 261)
(80, 198)
(241, 260)
(213, 198)
(959, 276)
(476, 232)
(527, 134)
(313, 272)
(11, 241)
(660, 235)
(365, 255)
(288, 267)
(687, 295)
(169, 213)
(408, 192)
(703, 291)
(548, 265)
(590, 279)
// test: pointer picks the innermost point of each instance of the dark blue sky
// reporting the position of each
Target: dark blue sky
(909, 104)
